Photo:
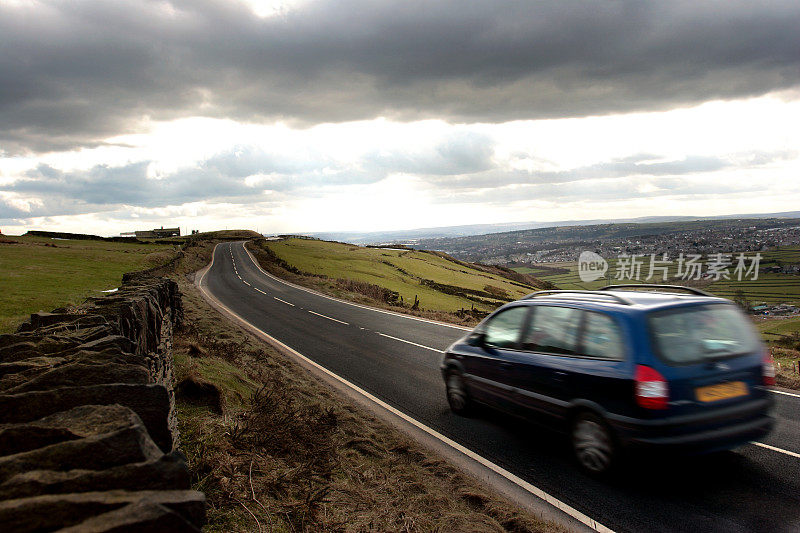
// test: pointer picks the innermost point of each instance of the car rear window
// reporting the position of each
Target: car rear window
(695, 334)
(602, 337)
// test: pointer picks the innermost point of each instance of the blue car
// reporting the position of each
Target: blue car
(622, 368)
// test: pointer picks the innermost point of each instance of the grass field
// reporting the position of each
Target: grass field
(780, 326)
(401, 271)
(783, 337)
(39, 274)
(768, 288)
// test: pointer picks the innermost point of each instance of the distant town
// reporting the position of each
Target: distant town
(564, 244)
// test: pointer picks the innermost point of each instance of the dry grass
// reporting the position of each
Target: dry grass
(288, 454)
(785, 348)
(787, 374)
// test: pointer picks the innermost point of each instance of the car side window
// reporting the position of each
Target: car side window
(553, 330)
(503, 329)
(602, 337)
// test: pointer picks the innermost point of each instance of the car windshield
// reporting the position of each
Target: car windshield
(702, 333)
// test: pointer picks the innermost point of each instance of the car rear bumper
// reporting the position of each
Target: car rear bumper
(719, 430)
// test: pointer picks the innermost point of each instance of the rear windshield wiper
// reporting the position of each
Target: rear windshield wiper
(714, 356)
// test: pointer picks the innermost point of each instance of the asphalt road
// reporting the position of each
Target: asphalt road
(397, 359)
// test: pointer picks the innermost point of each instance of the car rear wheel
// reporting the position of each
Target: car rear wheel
(457, 395)
(593, 444)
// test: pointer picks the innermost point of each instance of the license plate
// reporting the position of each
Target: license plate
(721, 391)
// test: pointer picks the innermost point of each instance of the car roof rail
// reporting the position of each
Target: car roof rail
(692, 290)
(615, 297)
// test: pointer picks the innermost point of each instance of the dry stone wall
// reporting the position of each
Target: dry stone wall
(88, 434)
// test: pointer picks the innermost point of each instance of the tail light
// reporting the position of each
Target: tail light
(652, 390)
(768, 368)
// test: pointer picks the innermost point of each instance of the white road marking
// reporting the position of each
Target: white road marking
(245, 282)
(774, 449)
(784, 393)
(284, 301)
(384, 311)
(409, 342)
(259, 290)
(329, 318)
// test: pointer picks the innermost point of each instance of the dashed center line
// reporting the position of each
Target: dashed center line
(284, 301)
(329, 318)
(774, 449)
(259, 290)
(409, 342)
(245, 282)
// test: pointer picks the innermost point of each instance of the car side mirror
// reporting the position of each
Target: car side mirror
(476, 339)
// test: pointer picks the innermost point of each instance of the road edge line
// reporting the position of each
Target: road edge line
(430, 432)
(776, 449)
(773, 391)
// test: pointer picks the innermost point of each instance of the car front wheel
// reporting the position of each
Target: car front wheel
(457, 395)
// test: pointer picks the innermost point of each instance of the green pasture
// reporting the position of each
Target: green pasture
(778, 326)
(40, 274)
(397, 270)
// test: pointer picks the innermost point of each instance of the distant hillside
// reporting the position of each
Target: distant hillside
(414, 235)
(405, 279)
(77, 236)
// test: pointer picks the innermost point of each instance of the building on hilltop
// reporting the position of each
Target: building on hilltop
(154, 233)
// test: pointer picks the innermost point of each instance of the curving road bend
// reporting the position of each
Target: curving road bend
(396, 358)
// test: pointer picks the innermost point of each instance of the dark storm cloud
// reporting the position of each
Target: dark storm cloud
(74, 73)
(104, 187)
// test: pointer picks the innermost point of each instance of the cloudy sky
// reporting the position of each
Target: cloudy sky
(369, 115)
